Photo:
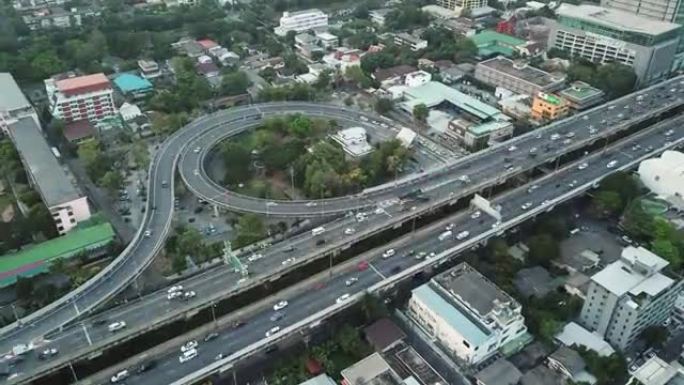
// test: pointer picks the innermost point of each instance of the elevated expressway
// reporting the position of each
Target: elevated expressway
(153, 310)
(138, 254)
(312, 302)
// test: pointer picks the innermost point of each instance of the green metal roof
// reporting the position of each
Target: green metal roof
(490, 42)
(32, 260)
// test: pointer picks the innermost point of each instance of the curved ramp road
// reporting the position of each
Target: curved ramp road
(206, 131)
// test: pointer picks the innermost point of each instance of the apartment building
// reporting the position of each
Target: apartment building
(548, 107)
(301, 21)
(581, 96)
(77, 98)
(66, 205)
(628, 296)
(459, 5)
(404, 39)
(605, 35)
(13, 103)
(467, 314)
(517, 76)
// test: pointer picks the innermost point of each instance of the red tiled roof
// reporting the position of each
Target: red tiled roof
(207, 43)
(78, 130)
(81, 82)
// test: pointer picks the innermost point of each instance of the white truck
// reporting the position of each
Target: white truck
(445, 235)
(20, 349)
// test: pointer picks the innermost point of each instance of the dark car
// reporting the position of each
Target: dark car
(145, 366)
(210, 337)
(238, 324)
(396, 269)
(320, 242)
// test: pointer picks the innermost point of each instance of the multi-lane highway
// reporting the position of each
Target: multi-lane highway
(604, 120)
(159, 210)
(322, 293)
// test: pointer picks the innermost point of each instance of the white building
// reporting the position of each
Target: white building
(377, 16)
(404, 39)
(327, 39)
(459, 6)
(343, 58)
(664, 176)
(467, 314)
(629, 295)
(66, 205)
(655, 371)
(13, 103)
(149, 69)
(129, 111)
(417, 78)
(87, 97)
(354, 141)
(301, 21)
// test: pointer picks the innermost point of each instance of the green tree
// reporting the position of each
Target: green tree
(234, 83)
(236, 158)
(666, 249)
(356, 75)
(420, 112)
(250, 229)
(607, 203)
(190, 242)
(179, 264)
(543, 248)
(112, 181)
(383, 105)
(141, 155)
(654, 336)
(23, 289)
(616, 79)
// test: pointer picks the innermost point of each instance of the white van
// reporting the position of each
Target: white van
(574, 231)
(187, 356)
(445, 235)
(318, 231)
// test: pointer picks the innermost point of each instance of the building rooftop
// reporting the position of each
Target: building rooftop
(637, 271)
(550, 98)
(434, 93)
(501, 372)
(302, 12)
(521, 70)
(534, 282)
(323, 379)
(207, 43)
(383, 74)
(580, 91)
(80, 82)
(32, 260)
(383, 333)
(541, 375)
(574, 334)
(11, 97)
(570, 359)
(655, 371)
(78, 130)
(490, 42)
(469, 329)
(616, 19)
(353, 141)
(372, 370)
(471, 287)
(50, 178)
(128, 83)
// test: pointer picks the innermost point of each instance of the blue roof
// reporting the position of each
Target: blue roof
(472, 332)
(132, 83)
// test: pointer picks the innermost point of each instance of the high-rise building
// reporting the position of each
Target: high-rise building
(460, 5)
(605, 35)
(78, 98)
(13, 103)
(628, 296)
(301, 21)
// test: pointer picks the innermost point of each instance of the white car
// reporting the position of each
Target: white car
(196, 172)
(582, 166)
(190, 345)
(174, 295)
(555, 137)
(272, 331)
(343, 298)
(531, 189)
(476, 214)
(118, 325)
(349, 231)
(462, 235)
(448, 227)
(388, 253)
(189, 294)
(512, 148)
(351, 281)
(120, 376)
(311, 204)
(187, 356)
(612, 164)
(148, 233)
(175, 288)
(526, 205)
(288, 261)
(669, 132)
(280, 305)
(255, 257)
(572, 184)
(196, 150)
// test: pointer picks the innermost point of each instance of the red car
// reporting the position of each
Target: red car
(363, 265)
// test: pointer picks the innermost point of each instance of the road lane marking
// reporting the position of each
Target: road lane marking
(376, 270)
(85, 330)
